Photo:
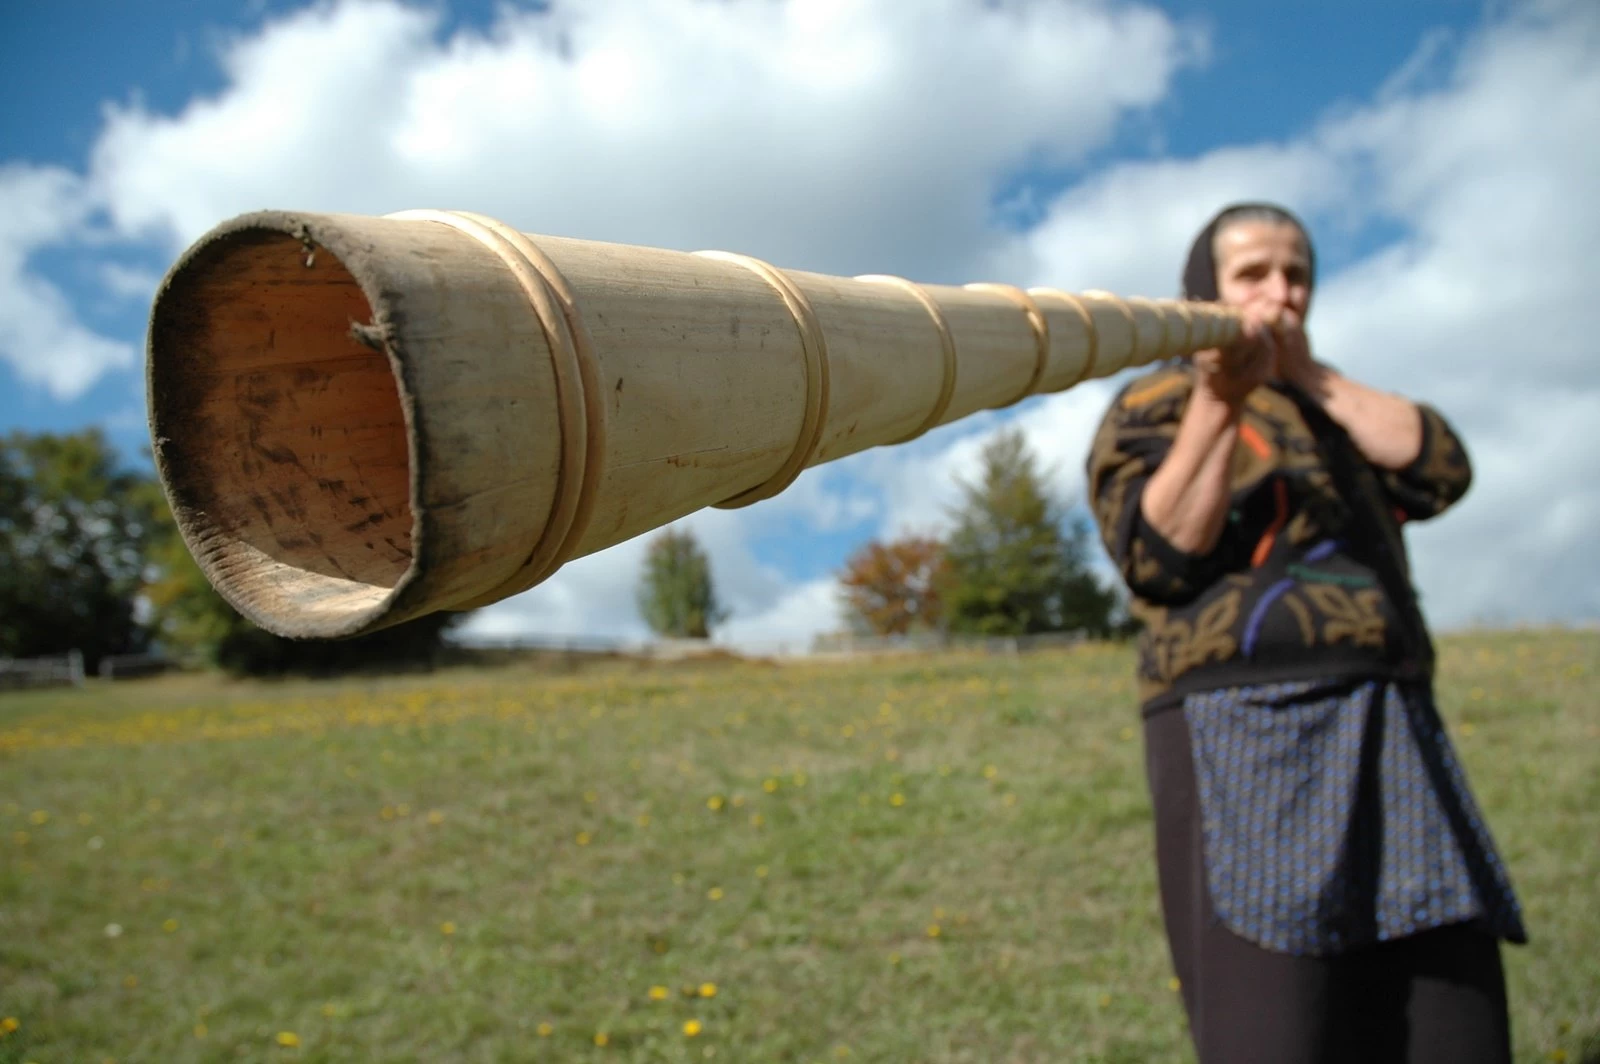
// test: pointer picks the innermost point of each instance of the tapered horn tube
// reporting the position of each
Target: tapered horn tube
(360, 420)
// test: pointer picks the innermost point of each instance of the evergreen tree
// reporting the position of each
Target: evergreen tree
(676, 595)
(1011, 568)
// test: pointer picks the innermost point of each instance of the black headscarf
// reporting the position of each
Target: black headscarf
(1200, 272)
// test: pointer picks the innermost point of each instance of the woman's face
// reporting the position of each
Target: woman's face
(1264, 264)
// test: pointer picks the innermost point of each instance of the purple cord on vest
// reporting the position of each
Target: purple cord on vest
(1321, 550)
(1259, 614)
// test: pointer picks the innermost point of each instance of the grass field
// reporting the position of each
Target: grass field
(927, 859)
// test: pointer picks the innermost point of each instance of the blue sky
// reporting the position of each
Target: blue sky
(1310, 103)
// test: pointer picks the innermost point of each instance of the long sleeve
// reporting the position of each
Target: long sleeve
(1133, 439)
(1438, 477)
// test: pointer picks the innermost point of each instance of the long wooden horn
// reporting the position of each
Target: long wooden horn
(360, 420)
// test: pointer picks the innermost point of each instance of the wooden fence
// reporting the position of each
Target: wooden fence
(54, 671)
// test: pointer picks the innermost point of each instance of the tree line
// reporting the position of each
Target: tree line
(91, 560)
(1012, 563)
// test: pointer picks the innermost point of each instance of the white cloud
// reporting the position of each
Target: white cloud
(820, 135)
(40, 334)
(129, 282)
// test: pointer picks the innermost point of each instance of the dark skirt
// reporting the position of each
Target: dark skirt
(1333, 824)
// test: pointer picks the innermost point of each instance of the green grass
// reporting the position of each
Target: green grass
(431, 868)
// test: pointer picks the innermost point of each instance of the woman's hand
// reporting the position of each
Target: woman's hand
(1228, 374)
(1295, 363)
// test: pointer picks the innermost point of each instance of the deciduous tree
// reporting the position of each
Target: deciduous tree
(894, 587)
(74, 528)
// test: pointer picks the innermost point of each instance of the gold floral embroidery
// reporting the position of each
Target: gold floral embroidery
(1358, 617)
(1173, 647)
(1301, 528)
(1143, 566)
(1213, 635)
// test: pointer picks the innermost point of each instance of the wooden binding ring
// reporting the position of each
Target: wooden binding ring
(814, 346)
(1088, 327)
(578, 405)
(1181, 309)
(1117, 302)
(1140, 355)
(1036, 322)
(947, 344)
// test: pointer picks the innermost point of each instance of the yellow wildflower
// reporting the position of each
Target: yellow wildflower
(39, 816)
(545, 1030)
(897, 799)
(714, 803)
(691, 1027)
(708, 990)
(435, 817)
(990, 772)
(448, 927)
(756, 820)
(200, 1030)
(933, 931)
(583, 838)
(769, 785)
(715, 893)
(761, 871)
(1174, 984)
(601, 1038)
(169, 925)
(658, 993)
(288, 1039)
(644, 820)
(10, 1024)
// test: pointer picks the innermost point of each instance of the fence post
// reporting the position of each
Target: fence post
(75, 667)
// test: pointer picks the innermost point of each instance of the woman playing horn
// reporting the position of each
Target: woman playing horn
(1329, 888)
